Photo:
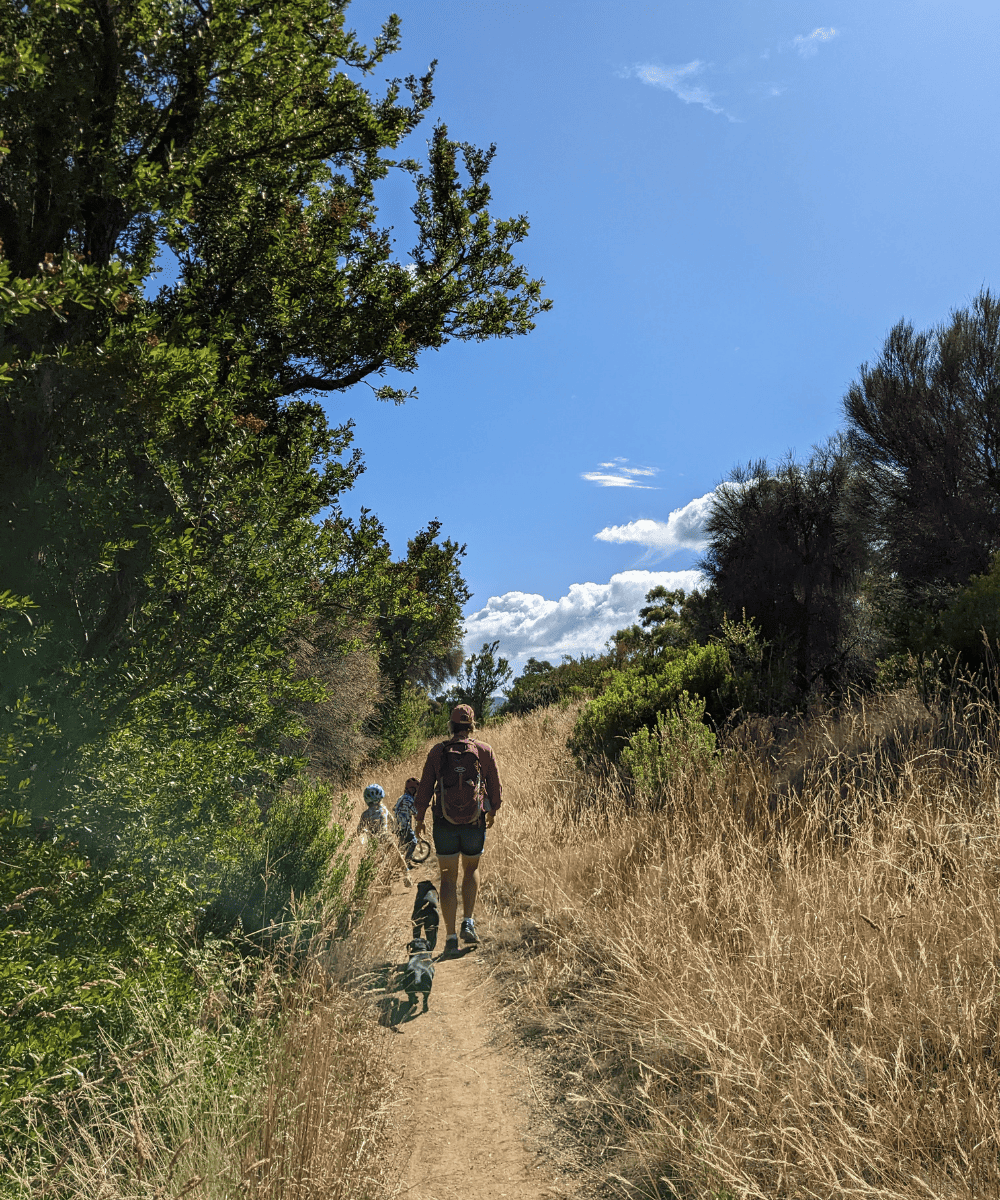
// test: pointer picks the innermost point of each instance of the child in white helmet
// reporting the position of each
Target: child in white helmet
(376, 822)
(375, 818)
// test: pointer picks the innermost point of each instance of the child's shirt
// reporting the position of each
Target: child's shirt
(374, 820)
(405, 811)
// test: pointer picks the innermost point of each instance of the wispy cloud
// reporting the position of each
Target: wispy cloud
(687, 81)
(808, 44)
(768, 88)
(580, 622)
(683, 529)
(617, 474)
(681, 80)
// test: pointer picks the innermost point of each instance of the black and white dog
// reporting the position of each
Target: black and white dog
(426, 913)
(418, 974)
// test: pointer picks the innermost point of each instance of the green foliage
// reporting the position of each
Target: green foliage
(633, 697)
(923, 423)
(273, 858)
(665, 623)
(165, 462)
(75, 940)
(541, 683)
(402, 724)
(679, 742)
(484, 675)
(765, 675)
(780, 552)
(970, 625)
(417, 607)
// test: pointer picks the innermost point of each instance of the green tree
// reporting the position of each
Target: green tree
(164, 460)
(160, 474)
(483, 676)
(924, 424)
(780, 555)
(541, 683)
(664, 623)
(419, 612)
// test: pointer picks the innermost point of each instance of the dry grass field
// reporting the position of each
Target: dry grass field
(778, 980)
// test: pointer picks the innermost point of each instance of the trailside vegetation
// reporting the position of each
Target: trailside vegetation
(764, 948)
(179, 587)
(872, 562)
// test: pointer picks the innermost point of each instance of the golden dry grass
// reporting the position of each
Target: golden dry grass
(780, 980)
(289, 1100)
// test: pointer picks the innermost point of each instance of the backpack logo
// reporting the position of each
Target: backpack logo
(460, 783)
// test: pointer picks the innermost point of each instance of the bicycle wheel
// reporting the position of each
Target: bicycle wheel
(422, 851)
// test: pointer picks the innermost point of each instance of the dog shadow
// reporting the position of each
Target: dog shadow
(393, 1010)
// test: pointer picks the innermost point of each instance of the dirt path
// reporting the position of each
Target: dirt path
(466, 1129)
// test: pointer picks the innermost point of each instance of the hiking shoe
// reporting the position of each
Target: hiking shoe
(407, 881)
(451, 944)
(469, 934)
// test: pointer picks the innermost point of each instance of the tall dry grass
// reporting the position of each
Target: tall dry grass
(781, 978)
(288, 1098)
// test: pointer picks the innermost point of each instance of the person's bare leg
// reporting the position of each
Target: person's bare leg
(470, 884)
(448, 892)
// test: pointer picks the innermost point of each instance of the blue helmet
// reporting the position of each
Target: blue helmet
(374, 794)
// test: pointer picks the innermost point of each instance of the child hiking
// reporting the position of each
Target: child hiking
(376, 823)
(405, 811)
(461, 778)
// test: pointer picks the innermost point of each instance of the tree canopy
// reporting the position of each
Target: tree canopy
(165, 458)
(924, 424)
(778, 556)
(173, 554)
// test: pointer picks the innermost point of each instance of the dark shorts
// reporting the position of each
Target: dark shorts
(454, 839)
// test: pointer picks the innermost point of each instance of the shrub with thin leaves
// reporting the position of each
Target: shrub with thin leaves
(681, 743)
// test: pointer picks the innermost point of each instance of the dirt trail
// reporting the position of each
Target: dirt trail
(466, 1128)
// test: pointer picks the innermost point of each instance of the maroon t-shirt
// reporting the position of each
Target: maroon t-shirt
(432, 770)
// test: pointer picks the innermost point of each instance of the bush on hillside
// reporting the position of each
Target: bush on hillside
(401, 723)
(275, 857)
(679, 742)
(971, 623)
(633, 698)
(76, 940)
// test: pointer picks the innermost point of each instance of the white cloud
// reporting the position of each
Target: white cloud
(616, 474)
(581, 622)
(681, 81)
(766, 88)
(808, 44)
(684, 528)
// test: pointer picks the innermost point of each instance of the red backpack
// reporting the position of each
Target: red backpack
(460, 783)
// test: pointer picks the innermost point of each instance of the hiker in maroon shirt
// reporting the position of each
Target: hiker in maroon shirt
(461, 777)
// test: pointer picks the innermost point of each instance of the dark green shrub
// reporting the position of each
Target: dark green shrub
(542, 684)
(972, 621)
(680, 741)
(633, 697)
(286, 852)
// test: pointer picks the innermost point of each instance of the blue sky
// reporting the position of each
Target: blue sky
(731, 203)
